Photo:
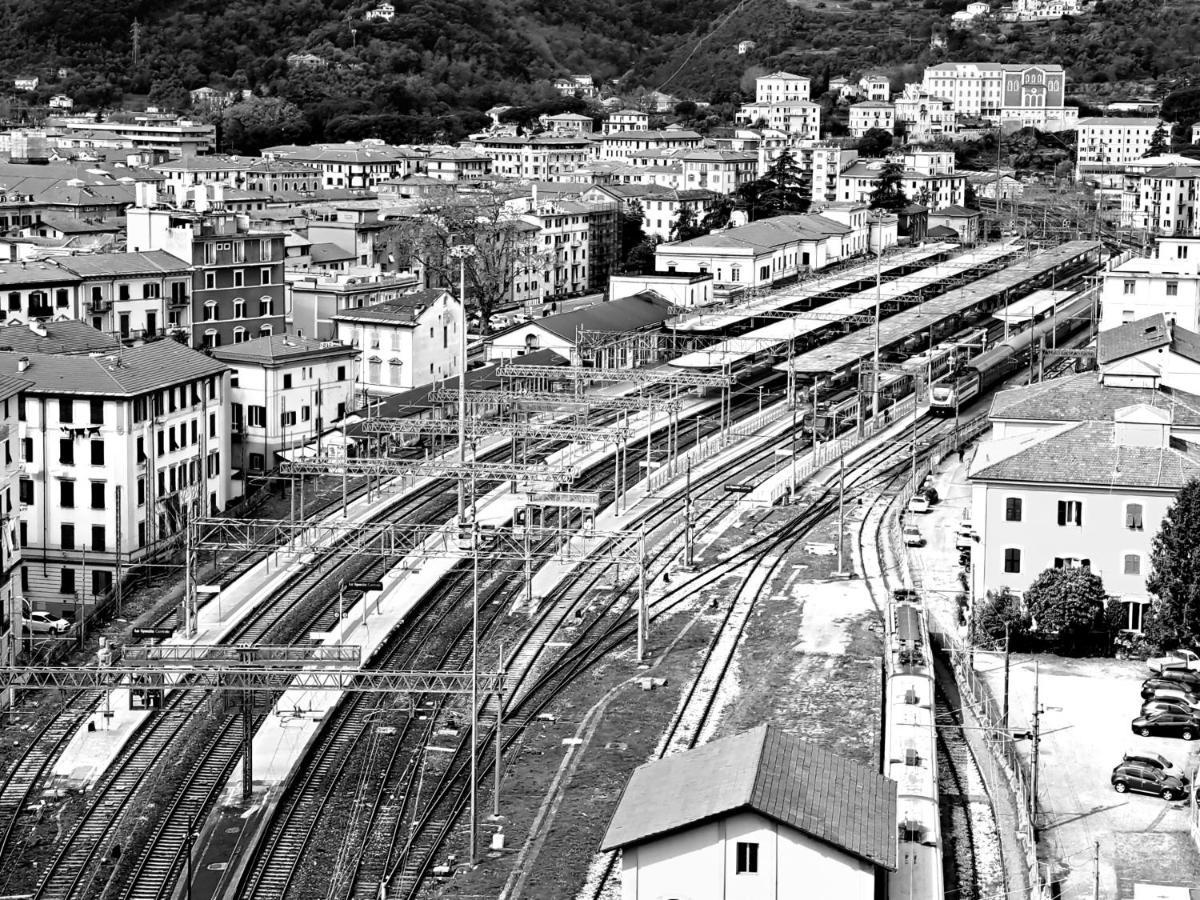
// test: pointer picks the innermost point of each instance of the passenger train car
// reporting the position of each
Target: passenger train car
(1005, 359)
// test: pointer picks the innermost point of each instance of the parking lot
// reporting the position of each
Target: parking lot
(1087, 707)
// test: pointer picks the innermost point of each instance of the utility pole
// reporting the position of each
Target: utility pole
(1096, 872)
(687, 529)
(1004, 710)
(1037, 738)
(841, 569)
(135, 32)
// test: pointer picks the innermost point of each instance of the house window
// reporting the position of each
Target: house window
(66, 581)
(747, 858)
(210, 310)
(1012, 509)
(67, 537)
(1133, 564)
(97, 410)
(266, 306)
(1133, 615)
(341, 373)
(66, 451)
(287, 381)
(287, 419)
(1133, 516)
(210, 281)
(265, 330)
(1172, 288)
(239, 308)
(1070, 512)
(97, 495)
(66, 409)
(256, 461)
(1128, 285)
(1012, 560)
(98, 542)
(239, 278)
(97, 453)
(239, 335)
(256, 416)
(211, 338)
(264, 276)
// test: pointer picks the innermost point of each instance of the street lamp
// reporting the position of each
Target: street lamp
(462, 252)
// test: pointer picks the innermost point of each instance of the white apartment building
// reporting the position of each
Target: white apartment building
(871, 114)
(542, 156)
(318, 295)
(826, 161)
(874, 87)
(921, 182)
(1005, 93)
(1164, 201)
(285, 391)
(119, 450)
(723, 171)
(781, 87)
(353, 164)
(627, 120)
(925, 117)
(625, 145)
(1107, 143)
(798, 118)
(405, 343)
(1079, 472)
(1167, 282)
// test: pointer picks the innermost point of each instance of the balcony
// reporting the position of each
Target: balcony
(178, 302)
(41, 312)
(97, 306)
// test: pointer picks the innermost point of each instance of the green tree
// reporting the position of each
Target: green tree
(1175, 572)
(1158, 142)
(889, 188)
(1068, 603)
(259, 122)
(1000, 615)
(685, 226)
(782, 190)
(718, 215)
(631, 220)
(640, 260)
(875, 142)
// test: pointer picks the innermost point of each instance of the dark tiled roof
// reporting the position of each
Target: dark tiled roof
(633, 313)
(773, 773)
(61, 336)
(404, 310)
(151, 366)
(147, 262)
(941, 231)
(276, 348)
(1088, 454)
(1082, 398)
(1132, 338)
(1185, 343)
(327, 252)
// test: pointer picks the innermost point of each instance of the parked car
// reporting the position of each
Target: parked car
(1168, 725)
(1180, 659)
(964, 536)
(1157, 688)
(1147, 758)
(498, 322)
(1166, 705)
(1185, 677)
(1134, 776)
(41, 622)
(913, 536)
(918, 504)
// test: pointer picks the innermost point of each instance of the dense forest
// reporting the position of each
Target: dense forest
(432, 71)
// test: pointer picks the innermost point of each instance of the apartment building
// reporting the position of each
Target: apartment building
(660, 206)
(1167, 282)
(723, 171)
(1164, 201)
(134, 295)
(627, 120)
(285, 391)
(1106, 143)
(405, 343)
(354, 164)
(11, 596)
(924, 117)
(1012, 94)
(875, 88)
(38, 290)
(575, 245)
(318, 295)
(541, 156)
(625, 145)
(871, 114)
(781, 87)
(923, 181)
(119, 450)
(238, 285)
(799, 118)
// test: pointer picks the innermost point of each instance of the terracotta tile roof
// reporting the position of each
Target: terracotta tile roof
(1082, 398)
(149, 367)
(60, 336)
(404, 310)
(146, 262)
(1088, 454)
(278, 348)
(1132, 338)
(634, 313)
(802, 785)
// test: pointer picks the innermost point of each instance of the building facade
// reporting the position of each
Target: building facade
(118, 450)
(541, 156)
(1167, 282)
(1106, 142)
(1010, 94)
(285, 391)
(871, 114)
(134, 295)
(781, 87)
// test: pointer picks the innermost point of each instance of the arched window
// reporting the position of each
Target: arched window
(210, 310)
(265, 330)
(531, 343)
(735, 274)
(239, 335)
(212, 338)
(239, 308)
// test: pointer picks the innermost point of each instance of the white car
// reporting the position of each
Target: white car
(499, 322)
(965, 537)
(913, 536)
(918, 504)
(46, 623)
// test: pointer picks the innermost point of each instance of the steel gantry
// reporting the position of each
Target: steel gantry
(338, 464)
(477, 428)
(553, 399)
(646, 377)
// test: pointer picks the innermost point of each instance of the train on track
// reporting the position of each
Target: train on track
(1006, 358)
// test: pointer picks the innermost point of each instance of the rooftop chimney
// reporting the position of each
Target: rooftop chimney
(22, 363)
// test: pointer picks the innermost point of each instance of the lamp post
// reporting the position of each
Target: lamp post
(462, 252)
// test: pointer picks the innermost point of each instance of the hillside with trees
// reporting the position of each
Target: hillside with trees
(433, 70)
